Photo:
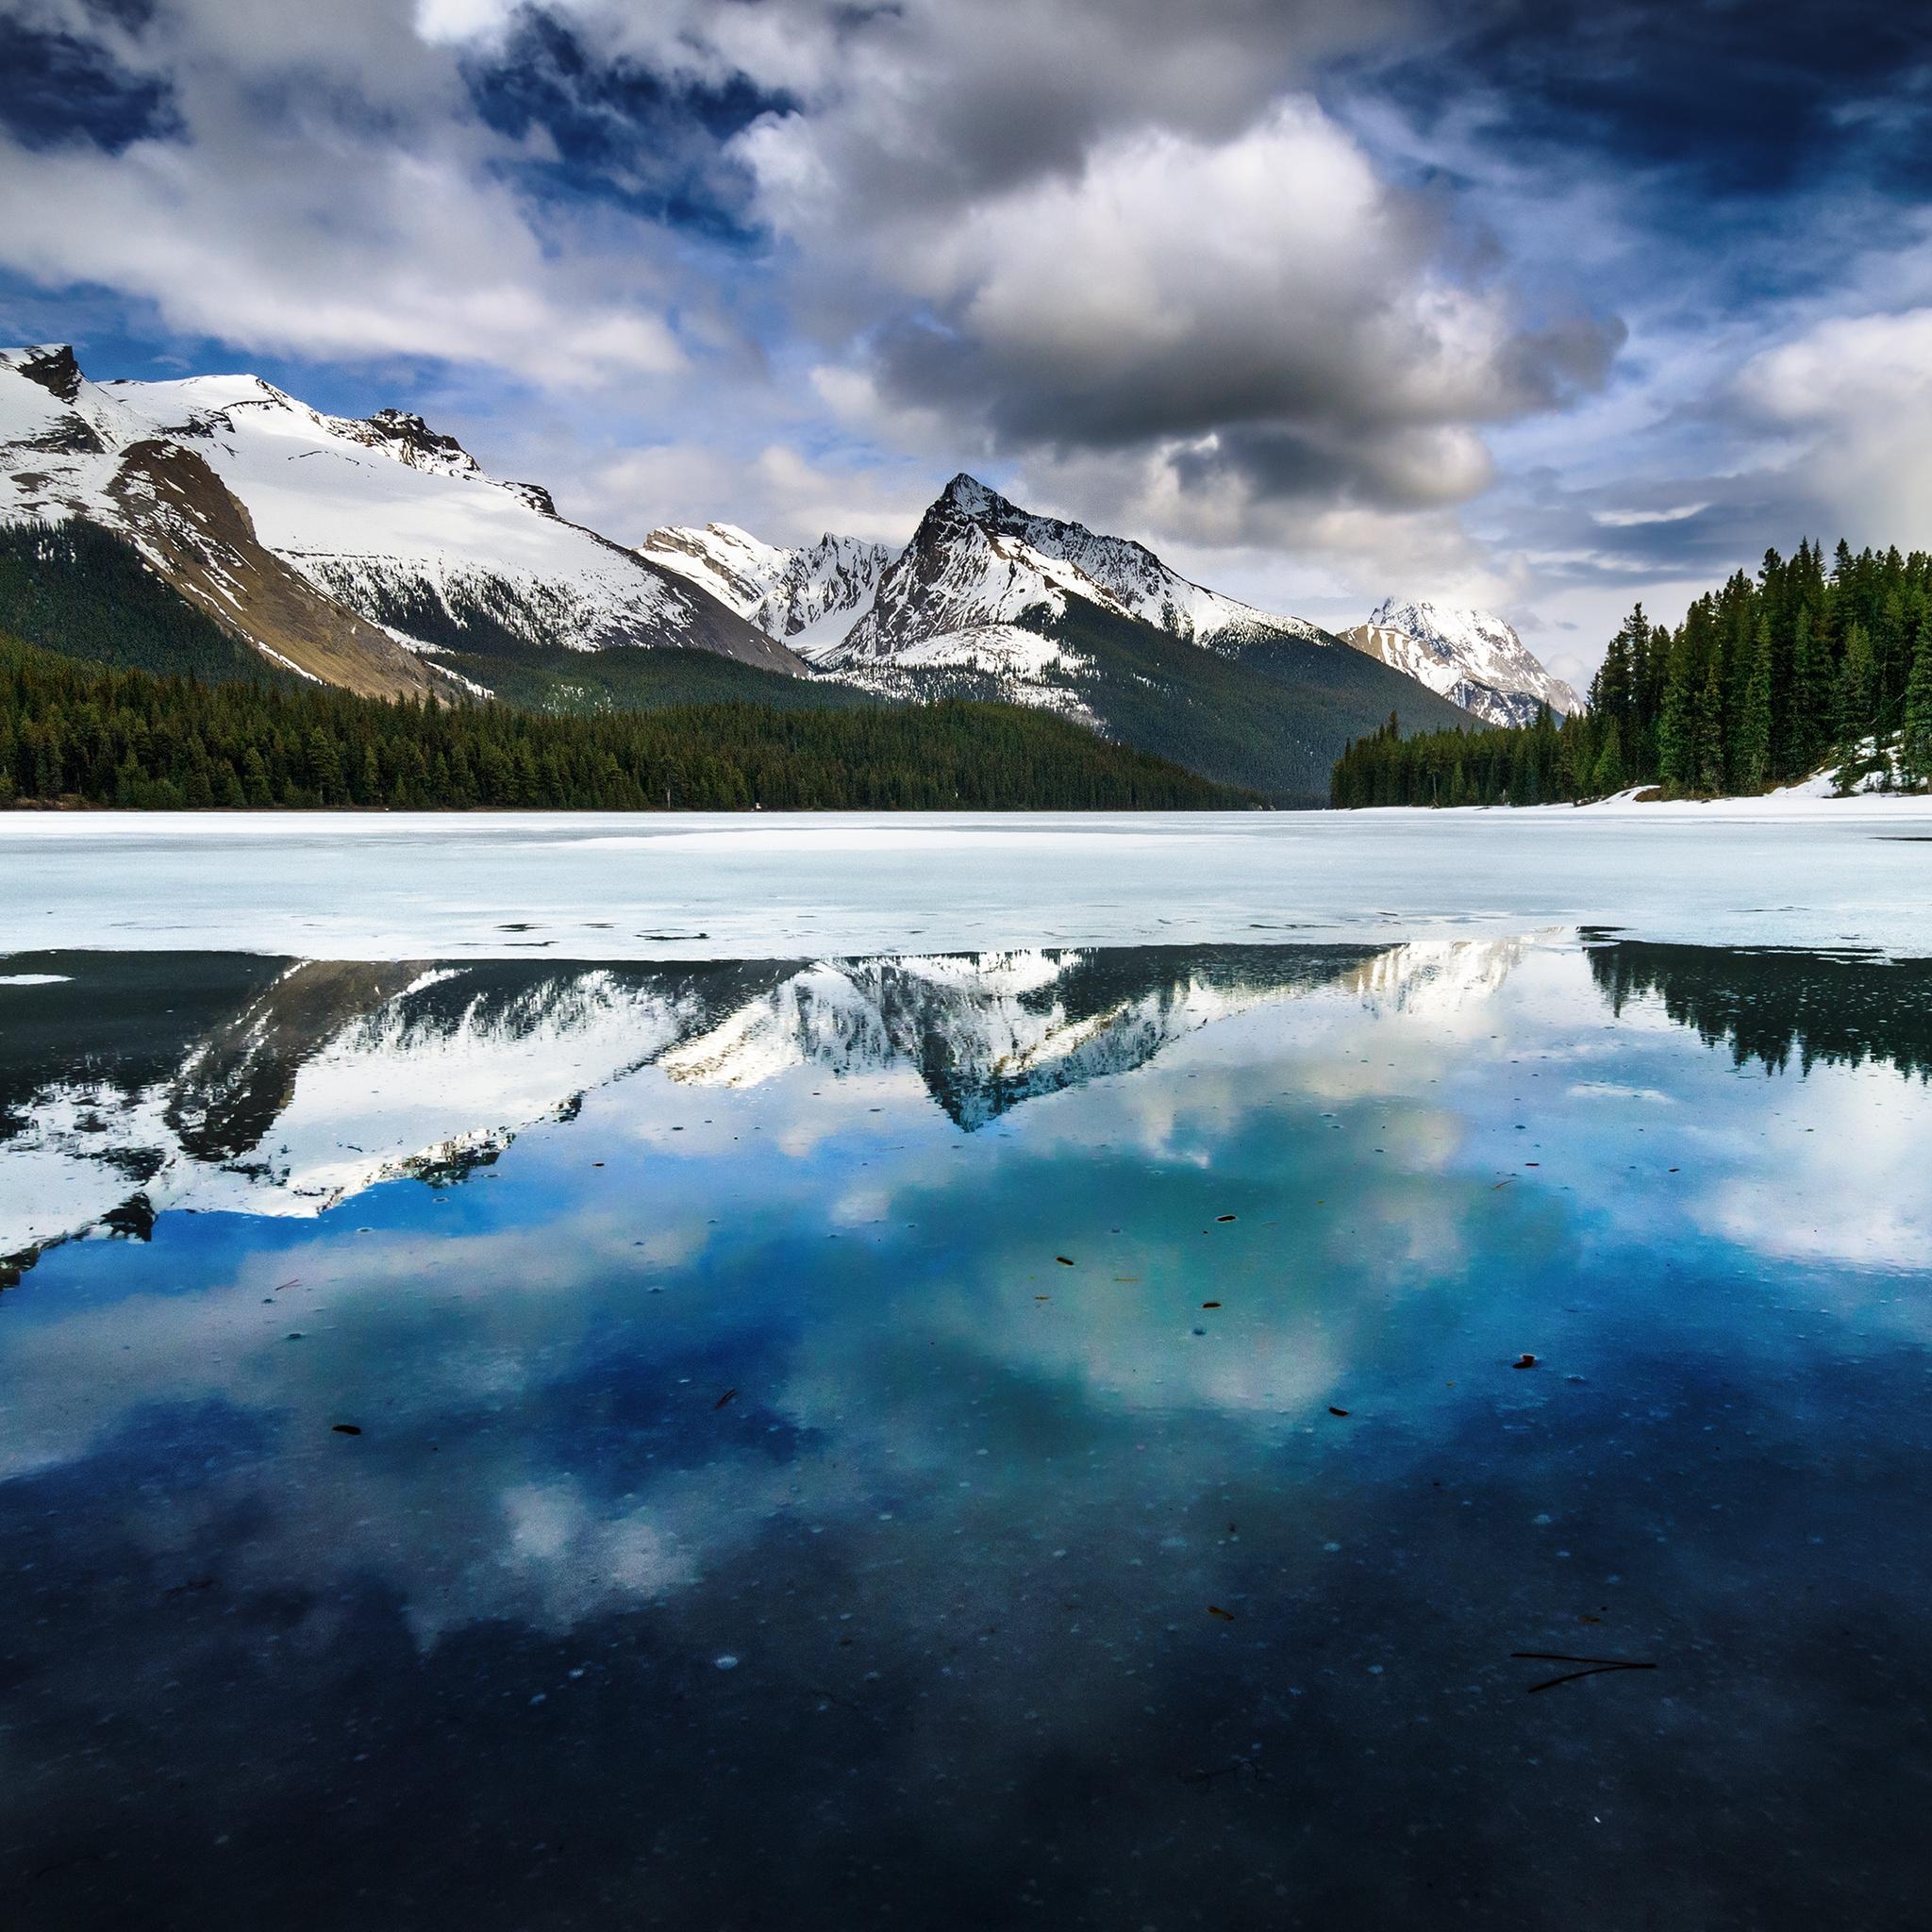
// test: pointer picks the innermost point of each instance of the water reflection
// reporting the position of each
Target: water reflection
(800, 1483)
(134, 1083)
(1780, 1007)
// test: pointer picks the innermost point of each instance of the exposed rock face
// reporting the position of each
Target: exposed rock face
(410, 441)
(203, 542)
(54, 368)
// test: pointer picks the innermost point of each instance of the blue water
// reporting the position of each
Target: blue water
(866, 1484)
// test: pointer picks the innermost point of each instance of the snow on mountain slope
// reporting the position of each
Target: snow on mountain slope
(960, 572)
(807, 597)
(68, 448)
(384, 517)
(978, 559)
(1469, 657)
(1126, 572)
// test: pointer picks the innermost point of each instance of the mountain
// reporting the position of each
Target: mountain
(133, 1083)
(989, 600)
(974, 532)
(809, 598)
(373, 554)
(1474, 660)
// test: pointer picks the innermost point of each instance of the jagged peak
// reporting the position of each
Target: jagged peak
(411, 440)
(52, 365)
(969, 495)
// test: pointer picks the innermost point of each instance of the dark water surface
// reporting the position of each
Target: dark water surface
(1015, 1440)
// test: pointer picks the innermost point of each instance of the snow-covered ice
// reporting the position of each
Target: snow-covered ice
(1787, 871)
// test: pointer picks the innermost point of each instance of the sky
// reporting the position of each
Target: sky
(1542, 306)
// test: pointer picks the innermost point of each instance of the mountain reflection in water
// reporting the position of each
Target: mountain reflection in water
(934, 1441)
(137, 1082)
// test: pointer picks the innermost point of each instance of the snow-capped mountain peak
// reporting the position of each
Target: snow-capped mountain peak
(347, 547)
(970, 496)
(979, 560)
(807, 597)
(1469, 656)
(1120, 572)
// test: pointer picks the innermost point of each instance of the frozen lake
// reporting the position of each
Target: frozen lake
(576, 886)
(1370, 1370)
(968, 1440)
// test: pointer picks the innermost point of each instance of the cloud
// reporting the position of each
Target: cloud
(777, 492)
(1855, 391)
(1263, 301)
(326, 193)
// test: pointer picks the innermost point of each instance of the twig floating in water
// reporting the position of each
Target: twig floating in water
(1596, 1666)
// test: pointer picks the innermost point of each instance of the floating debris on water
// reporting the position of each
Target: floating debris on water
(1596, 1666)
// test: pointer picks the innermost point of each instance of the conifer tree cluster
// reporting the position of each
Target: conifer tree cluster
(86, 732)
(1766, 681)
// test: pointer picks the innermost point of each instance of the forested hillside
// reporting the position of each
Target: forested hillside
(96, 734)
(1765, 682)
(84, 591)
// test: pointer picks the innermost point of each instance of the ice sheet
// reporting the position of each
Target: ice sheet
(1793, 872)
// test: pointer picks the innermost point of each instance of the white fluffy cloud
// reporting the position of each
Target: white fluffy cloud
(352, 255)
(776, 492)
(326, 190)
(1855, 395)
(1243, 328)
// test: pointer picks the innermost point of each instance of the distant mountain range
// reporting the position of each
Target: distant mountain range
(991, 601)
(1471, 658)
(377, 554)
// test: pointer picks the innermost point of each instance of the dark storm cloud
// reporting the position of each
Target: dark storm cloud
(617, 131)
(59, 85)
(1738, 97)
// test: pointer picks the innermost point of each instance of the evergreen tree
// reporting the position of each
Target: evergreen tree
(1710, 775)
(1611, 776)
(1856, 680)
(1677, 733)
(1751, 759)
(1915, 738)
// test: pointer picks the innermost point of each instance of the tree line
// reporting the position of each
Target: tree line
(1765, 682)
(97, 734)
